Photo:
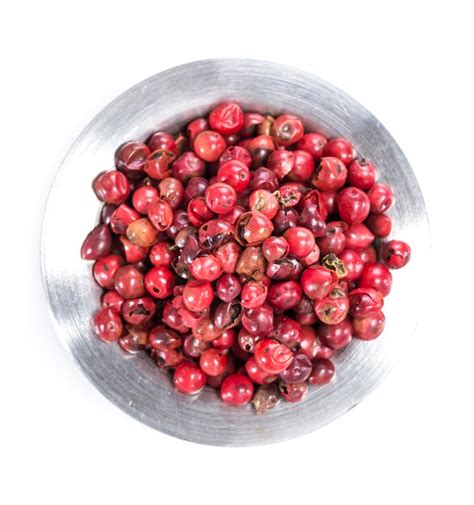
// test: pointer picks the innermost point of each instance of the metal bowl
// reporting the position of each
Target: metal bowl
(167, 101)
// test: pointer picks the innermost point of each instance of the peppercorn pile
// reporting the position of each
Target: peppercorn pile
(240, 254)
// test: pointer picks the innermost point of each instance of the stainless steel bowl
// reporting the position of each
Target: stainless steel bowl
(167, 101)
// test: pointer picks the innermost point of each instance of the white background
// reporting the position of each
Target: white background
(410, 63)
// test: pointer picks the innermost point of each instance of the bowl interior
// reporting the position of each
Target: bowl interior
(166, 102)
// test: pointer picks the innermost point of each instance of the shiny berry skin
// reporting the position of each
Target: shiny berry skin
(258, 321)
(198, 295)
(260, 148)
(300, 241)
(162, 140)
(195, 187)
(332, 309)
(121, 217)
(198, 212)
(376, 276)
(172, 318)
(335, 336)
(162, 254)
(227, 118)
(213, 362)
(188, 378)
(129, 282)
(323, 372)
(358, 237)
(160, 215)
(303, 166)
(330, 174)
(362, 174)
(256, 374)
(188, 165)
(353, 263)
(108, 324)
(396, 254)
(220, 197)
(180, 221)
(353, 205)
(130, 158)
(158, 164)
(369, 327)
(275, 248)
(340, 148)
(287, 130)
(134, 340)
(287, 331)
(319, 200)
(112, 187)
(311, 219)
(381, 198)
(290, 194)
(236, 390)
(251, 263)
(206, 330)
(209, 145)
(195, 127)
(236, 153)
(329, 199)
(234, 173)
(164, 339)
(97, 244)
(105, 268)
(111, 299)
(284, 295)
(159, 282)
(206, 268)
(247, 341)
(379, 224)
(368, 254)
(299, 370)
(138, 310)
(281, 162)
(253, 295)
(253, 228)
(143, 197)
(171, 190)
(133, 253)
(314, 144)
(226, 339)
(317, 281)
(308, 344)
(251, 120)
(364, 301)
(263, 178)
(167, 359)
(271, 356)
(215, 233)
(193, 347)
(293, 392)
(284, 219)
(142, 233)
(284, 269)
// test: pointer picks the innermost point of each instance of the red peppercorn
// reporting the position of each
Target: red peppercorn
(188, 165)
(368, 254)
(284, 295)
(314, 144)
(299, 370)
(209, 145)
(330, 174)
(381, 198)
(340, 148)
(361, 174)
(300, 241)
(234, 173)
(142, 233)
(376, 276)
(143, 197)
(256, 374)
(293, 392)
(353, 263)
(226, 339)
(364, 302)
(159, 282)
(198, 295)
(335, 336)
(112, 187)
(97, 244)
(139, 310)
(303, 166)
(206, 268)
(396, 254)
(134, 340)
(358, 237)
(227, 118)
(236, 153)
(107, 324)
(160, 215)
(162, 254)
(323, 372)
(158, 164)
(287, 129)
(220, 197)
(317, 281)
(253, 295)
(130, 158)
(188, 378)
(105, 268)
(253, 228)
(236, 389)
(353, 205)
(379, 224)
(275, 248)
(171, 190)
(369, 327)
(213, 362)
(129, 282)
(272, 357)
(162, 140)
(121, 217)
(111, 299)
(258, 321)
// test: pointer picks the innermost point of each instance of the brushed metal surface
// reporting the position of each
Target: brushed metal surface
(167, 101)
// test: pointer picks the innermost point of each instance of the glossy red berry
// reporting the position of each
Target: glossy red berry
(369, 327)
(357, 237)
(287, 331)
(236, 153)
(189, 378)
(368, 254)
(353, 205)
(206, 268)
(159, 282)
(287, 129)
(129, 282)
(226, 340)
(353, 263)
(160, 215)
(253, 228)
(209, 145)
(213, 362)
(340, 148)
(272, 357)
(381, 198)
(396, 254)
(164, 339)
(113, 300)
(293, 392)
(158, 164)
(317, 281)
(227, 118)
(303, 166)
(236, 389)
(284, 295)
(143, 197)
(121, 217)
(256, 374)
(198, 295)
(220, 197)
(198, 212)
(335, 336)
(171, 190)
(228, 254)
(265, 202)
(108, 324)
(130, 158)
(332, 309)
(323, 372)
(253, 295)
(195, 127)
(376, 276)
(162, 140)
(258, 321)
(300, 241)
(281, 162)
(97, 244)
(275, 248)
(299, 370)
(138, 311)
(112, 187)
(364, 301)
(142, 233)
(361, 174)
(188, 165)
(330, 174)
(163, 254)
(314, 144)
(235, 174)
(379, 224)
(105, 268)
